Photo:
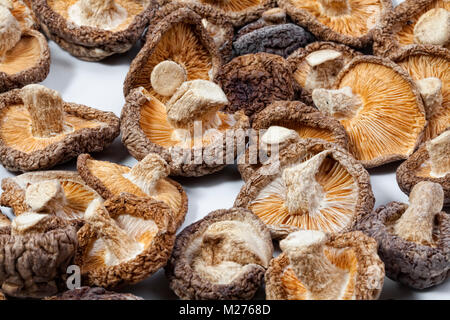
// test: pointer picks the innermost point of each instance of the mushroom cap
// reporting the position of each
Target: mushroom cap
(307, 121)
(354, 28)
(145, 129)
(28, 62)
(147, 221)
(77, 193)
(280, 39)
(397, 27)
(179, 37)
(93, 130)
(425, 61)
(253, 81)
(346, 185)
(413, 264)
(89, 43)
(353, 252)
(108, 180)
(380, 83)
(33, 264)
(95, 293)
(187, 280)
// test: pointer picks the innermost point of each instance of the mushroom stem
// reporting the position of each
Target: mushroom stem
(439, 153)
(303, 193)
(46, 196)
(274, 16)
(277, 136)
(335, 7)
(29, 222)
(325, 65)
(167, 77)
(305, 250)
(10, 31)
(341, 103)
(46, 110)
(433, 27)
(431, 92)
(147, 172)
(103, 14)
(416, 224)
(120, 246)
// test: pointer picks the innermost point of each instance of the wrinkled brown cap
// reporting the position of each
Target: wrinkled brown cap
(222, 256)
(94, 293)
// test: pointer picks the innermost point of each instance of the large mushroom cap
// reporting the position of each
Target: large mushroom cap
(124, 240)
(177, 133)
(222, 256)
(148, 178)
(36, 251)
(315, 185)
(62, 193)
(94, 293)
(413, 240)
(351, 22)
(379, 106)
(425, 63)
(314, 266)
(38, 130)
(253, 81)
(181, 38)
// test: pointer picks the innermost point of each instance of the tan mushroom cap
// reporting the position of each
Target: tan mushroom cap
(148, 178)
(316, 266)
(379, 106)
(124, 240)
(70, 201)
(315, 186)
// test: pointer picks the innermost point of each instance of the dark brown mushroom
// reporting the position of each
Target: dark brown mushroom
(95, 293)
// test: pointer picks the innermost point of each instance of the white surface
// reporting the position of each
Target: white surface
(99, 85)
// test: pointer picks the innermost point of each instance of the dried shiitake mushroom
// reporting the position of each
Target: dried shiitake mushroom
(222, 256)
(318, 64)
(253, 81)
(189, 131)
(431, 162)
(306, 121)
(414, 22)
(429, 66)
(124, 240)
(24, 53)
(95, 293)
(92, 30)
(62, 193)
(35, 251)
(148, 178)
(380, 107)
(179, 42)
(315, 185)
(272, 33)
(351, 22)
(413, 240)
(38, 130)
(317, 266)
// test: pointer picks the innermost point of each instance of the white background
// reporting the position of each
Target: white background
(99, 85)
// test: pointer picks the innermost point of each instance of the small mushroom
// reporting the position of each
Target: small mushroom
(38, 130)
(428, 66)
(306, 122)
(189, 131)
(124, 240)
(314, 185)
(317, 266)
(431, 162)
(36, 250)
(148, 178)
(92, 30)
(414, 22)
(222, 256)
(351, 22)
(24, 53)
(413, 240)
(181, 38)
(62, 193)
(253, 81)
(94, 293)
(370, 89)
